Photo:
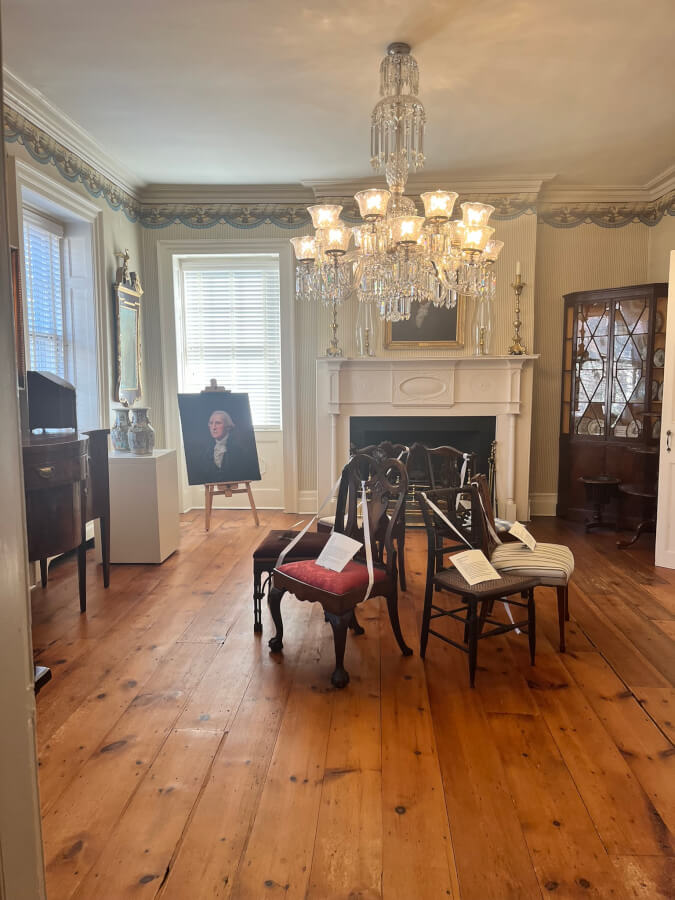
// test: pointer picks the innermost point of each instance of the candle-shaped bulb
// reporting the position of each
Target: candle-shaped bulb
(517, 268)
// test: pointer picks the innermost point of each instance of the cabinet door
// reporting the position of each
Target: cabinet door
(630, 365)
(591, 353)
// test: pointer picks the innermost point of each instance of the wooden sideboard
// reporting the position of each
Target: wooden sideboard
(67, 485)
(55, 475)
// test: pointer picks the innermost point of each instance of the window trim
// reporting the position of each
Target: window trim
(163, 386)
(202, 262)
(29, 178)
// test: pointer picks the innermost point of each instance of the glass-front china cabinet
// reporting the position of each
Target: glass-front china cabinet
(612, 388)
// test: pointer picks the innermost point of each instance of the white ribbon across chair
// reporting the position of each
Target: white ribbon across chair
(301, 534)
(447, 521)
(366, 534)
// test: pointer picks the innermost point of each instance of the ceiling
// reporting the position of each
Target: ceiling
(270, 92)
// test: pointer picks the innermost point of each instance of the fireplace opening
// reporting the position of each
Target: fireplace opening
(471, 434)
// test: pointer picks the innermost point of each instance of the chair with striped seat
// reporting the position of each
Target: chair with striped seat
(551, 564)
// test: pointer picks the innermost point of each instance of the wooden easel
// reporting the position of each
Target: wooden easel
(224, 488)
(227, 489)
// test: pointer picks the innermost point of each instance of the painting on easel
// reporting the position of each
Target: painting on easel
(218, 437)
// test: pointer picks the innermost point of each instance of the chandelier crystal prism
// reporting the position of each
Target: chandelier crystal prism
(398, 257)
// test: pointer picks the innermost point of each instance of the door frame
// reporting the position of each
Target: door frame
(665, 514)
(21, 852)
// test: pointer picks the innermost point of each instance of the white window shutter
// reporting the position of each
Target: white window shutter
(47, 345)
(231, 329)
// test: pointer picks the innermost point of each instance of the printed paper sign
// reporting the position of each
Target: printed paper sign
(475, 567)
(519, 531)
(339, 549)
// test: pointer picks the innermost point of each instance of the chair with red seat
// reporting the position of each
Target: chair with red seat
(339, 593)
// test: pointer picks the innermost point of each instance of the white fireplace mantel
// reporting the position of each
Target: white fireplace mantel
(499, 386)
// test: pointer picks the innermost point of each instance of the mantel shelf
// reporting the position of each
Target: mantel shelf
(426, 360)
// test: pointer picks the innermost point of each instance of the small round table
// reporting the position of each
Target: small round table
(600, 490)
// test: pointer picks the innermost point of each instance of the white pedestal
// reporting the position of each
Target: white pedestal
(144, 520)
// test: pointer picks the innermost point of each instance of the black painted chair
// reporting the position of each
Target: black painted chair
(476, 601)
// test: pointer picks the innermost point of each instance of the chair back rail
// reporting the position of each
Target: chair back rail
(441, 540)
(482, 486)
(386, 484)
(444, 465)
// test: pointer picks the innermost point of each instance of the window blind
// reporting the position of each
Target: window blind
(231, 329)
(44, 295)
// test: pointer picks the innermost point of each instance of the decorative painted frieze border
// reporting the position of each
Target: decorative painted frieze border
(606, 215)
(46, 150)
(293, 215)
(250, 215)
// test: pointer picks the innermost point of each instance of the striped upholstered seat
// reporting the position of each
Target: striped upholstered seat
(552, 564)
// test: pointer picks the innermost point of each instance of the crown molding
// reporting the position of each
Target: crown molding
(416, 184)
(50, 137)
(653, 190)
(224, 194)
(37, 109)
(661, 184)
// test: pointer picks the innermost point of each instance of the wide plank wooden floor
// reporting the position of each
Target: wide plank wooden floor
(179, 759)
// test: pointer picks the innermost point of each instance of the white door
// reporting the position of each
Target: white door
(665, 523)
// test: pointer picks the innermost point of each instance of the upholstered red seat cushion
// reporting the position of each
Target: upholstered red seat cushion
(353, 575)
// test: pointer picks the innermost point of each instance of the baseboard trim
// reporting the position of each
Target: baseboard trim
(307, 502)
(543, 504)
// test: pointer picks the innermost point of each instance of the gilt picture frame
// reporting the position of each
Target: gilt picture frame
(127, 302)
(429, 327)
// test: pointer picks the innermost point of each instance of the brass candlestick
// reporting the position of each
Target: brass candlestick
(334, 348)
(517, 348)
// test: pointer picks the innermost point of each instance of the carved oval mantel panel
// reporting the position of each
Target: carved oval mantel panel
(422, 387)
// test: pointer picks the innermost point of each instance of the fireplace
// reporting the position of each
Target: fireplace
(494, 391)
(471, 434)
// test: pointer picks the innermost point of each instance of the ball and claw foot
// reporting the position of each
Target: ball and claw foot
(407, 651)
(340, 678)
(275, 644)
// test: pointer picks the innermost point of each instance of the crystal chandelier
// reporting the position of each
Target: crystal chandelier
(398, 257)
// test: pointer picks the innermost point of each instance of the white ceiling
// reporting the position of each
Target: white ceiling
(280, 91)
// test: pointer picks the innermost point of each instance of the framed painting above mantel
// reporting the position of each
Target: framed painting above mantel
(429, 327)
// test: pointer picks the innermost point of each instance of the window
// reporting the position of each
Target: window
(45, 313)
(229, 329)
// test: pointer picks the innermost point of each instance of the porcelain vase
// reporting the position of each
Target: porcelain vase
(141, 432)
(119, 433)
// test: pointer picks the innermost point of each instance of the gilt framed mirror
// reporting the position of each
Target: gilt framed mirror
(127, 295)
